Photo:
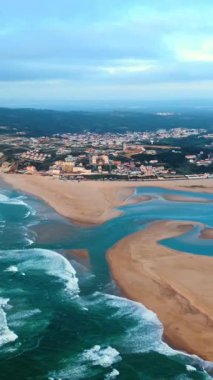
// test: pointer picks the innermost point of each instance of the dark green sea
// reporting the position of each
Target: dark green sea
(61, 319)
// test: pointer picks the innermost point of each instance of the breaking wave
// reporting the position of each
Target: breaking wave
(43, 260)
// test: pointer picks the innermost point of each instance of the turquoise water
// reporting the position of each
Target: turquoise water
(60, 319)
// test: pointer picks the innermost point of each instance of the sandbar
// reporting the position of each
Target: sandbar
(177, 286)
(206, 233)
(180, 198)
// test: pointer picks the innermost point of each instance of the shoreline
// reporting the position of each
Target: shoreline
(177, 286)
(94, 202)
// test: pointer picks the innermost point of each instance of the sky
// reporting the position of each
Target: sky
(55, 52)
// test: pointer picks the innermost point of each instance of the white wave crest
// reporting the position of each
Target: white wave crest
(6, 335)
(4, 198)
(105, 357)
(12, 269)
(112, 375)
(190, 368)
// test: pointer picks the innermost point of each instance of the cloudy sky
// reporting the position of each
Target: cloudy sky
(60, 51)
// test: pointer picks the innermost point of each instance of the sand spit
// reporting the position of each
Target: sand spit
(85, 202)
(93, 202)
(177, 286)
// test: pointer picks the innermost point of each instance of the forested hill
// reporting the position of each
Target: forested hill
(46, 122)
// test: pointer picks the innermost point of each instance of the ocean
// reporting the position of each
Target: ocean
(62, 318)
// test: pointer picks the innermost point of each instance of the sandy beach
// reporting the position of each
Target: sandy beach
(83, 202)
(177, 286)
(94, 202)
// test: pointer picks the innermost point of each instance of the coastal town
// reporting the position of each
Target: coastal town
(161, 154)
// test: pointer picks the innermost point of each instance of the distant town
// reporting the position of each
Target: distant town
(161, 154)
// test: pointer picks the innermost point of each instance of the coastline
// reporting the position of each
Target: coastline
(95, 202)
(177, 286)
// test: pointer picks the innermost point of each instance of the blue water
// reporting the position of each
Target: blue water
(60, 319)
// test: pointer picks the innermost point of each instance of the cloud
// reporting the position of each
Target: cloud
(98, 44)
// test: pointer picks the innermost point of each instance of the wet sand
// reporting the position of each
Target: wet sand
(177, 286)
(79, 255)
(93, 202)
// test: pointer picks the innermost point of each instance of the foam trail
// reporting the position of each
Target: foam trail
(19, 318)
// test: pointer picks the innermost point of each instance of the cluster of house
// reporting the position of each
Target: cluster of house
(35, 156)
(70, 167)
(198, 161)
(101, 164)
(89, 153)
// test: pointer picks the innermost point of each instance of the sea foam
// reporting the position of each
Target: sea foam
(82, 366)
(12, 269)
(112, 375)
(6, 335)
(105, 357)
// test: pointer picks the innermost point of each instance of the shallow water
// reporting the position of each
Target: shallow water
(61, 320)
